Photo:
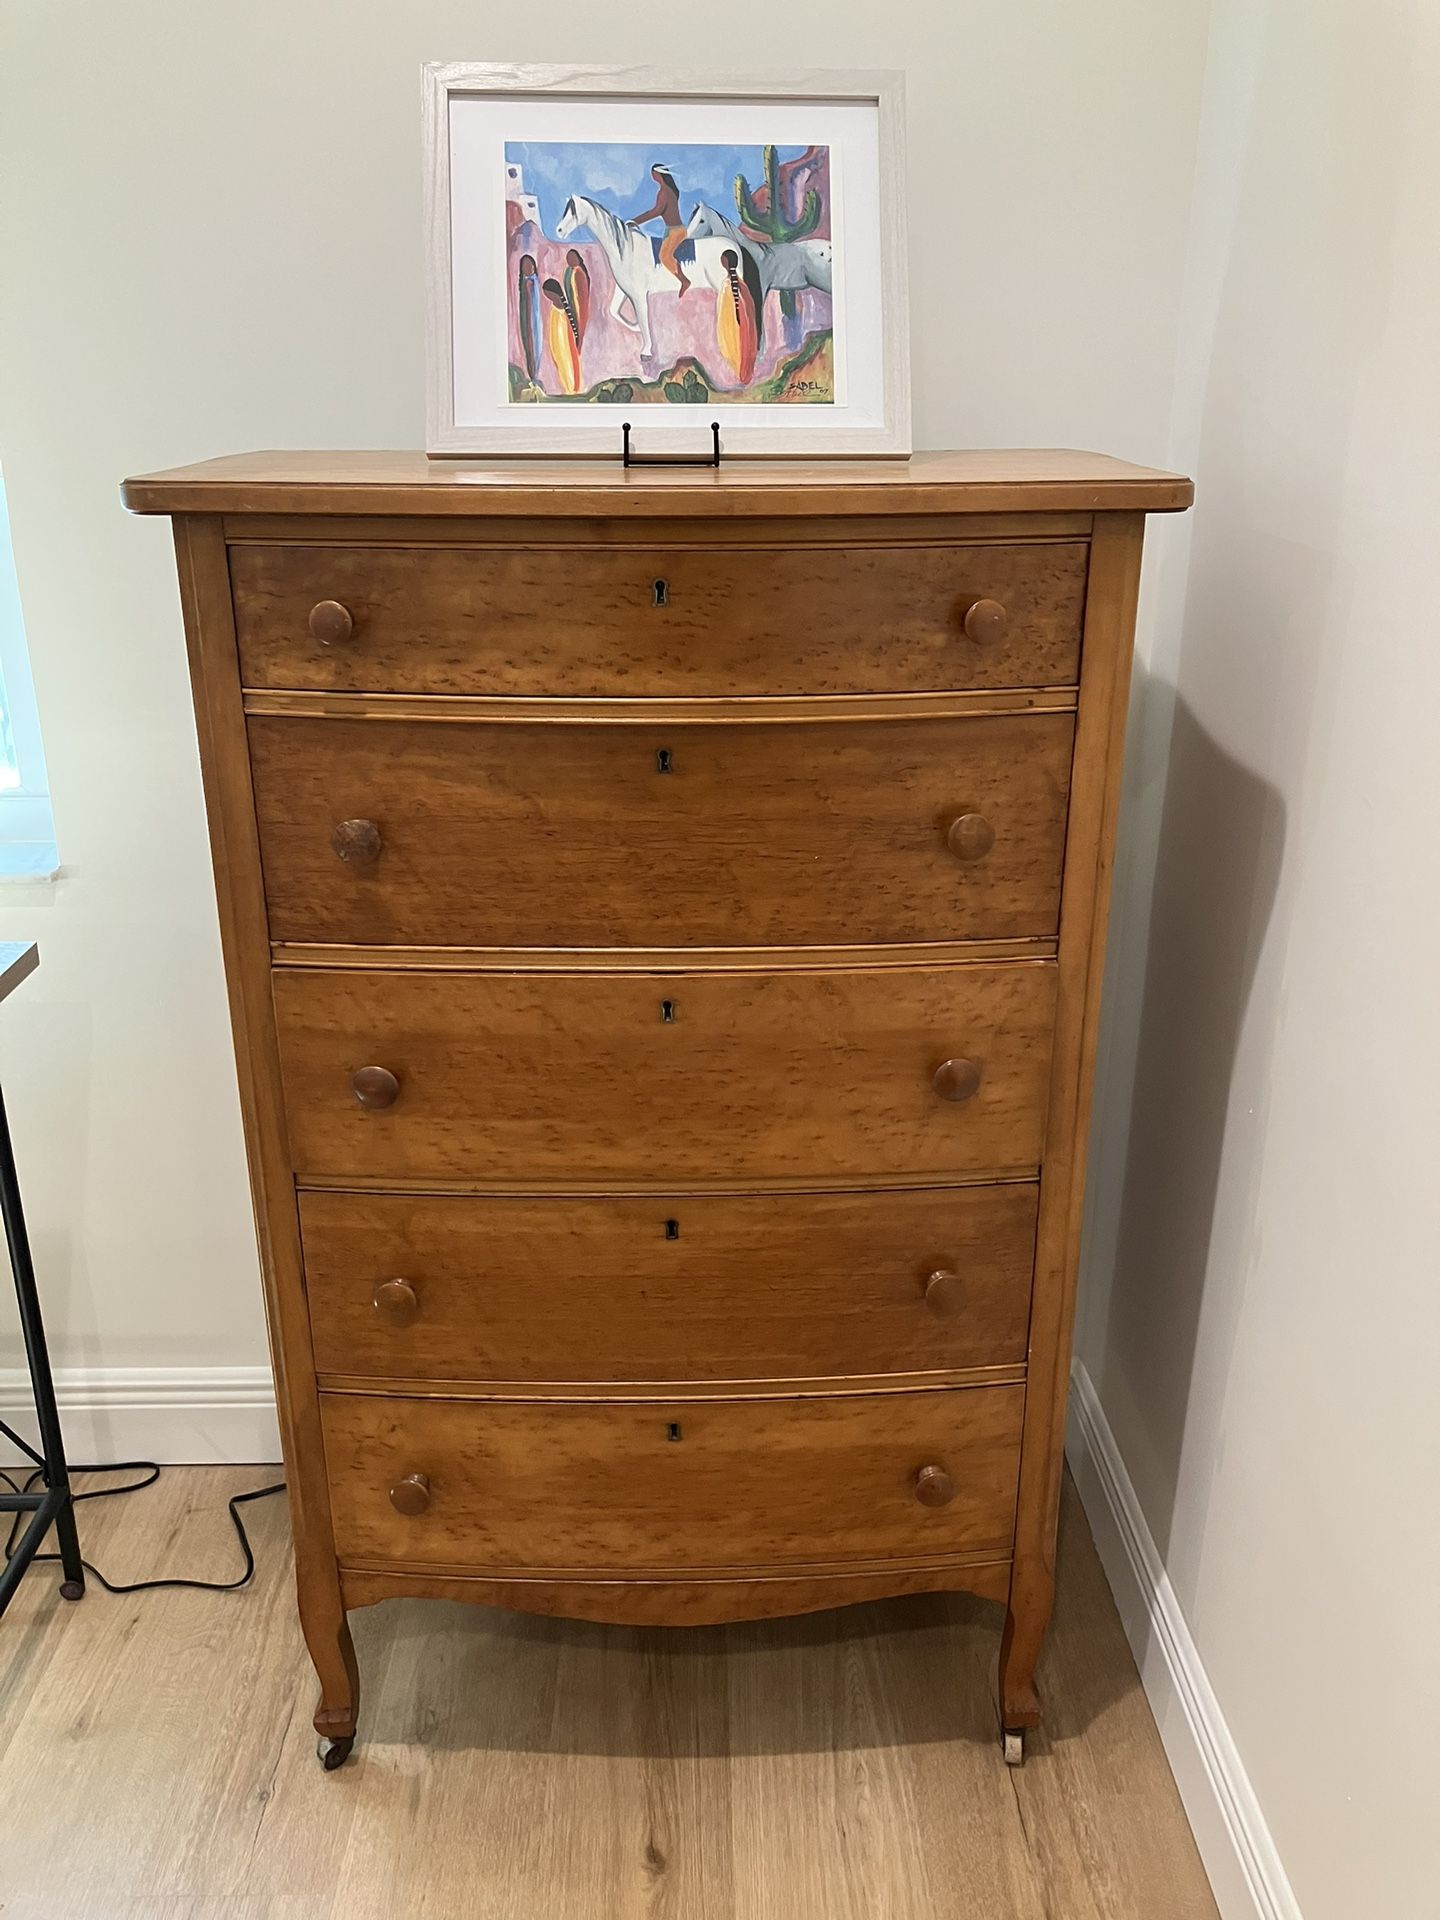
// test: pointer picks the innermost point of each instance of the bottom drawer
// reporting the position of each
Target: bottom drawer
(669, 1487)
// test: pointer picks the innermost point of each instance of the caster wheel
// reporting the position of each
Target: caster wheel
(334, 1753)
(1013, 1743)
(72, 1589)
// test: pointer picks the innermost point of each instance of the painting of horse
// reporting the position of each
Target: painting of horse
(701, 273)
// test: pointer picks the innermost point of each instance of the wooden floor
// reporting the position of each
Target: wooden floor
(156, 1756)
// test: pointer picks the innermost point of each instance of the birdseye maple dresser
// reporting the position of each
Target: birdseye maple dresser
(663, 913)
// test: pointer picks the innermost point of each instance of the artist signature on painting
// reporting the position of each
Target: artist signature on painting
(812, 386)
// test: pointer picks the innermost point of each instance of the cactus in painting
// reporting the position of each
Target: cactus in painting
(691, 390)
(762, 216)
(762, 213)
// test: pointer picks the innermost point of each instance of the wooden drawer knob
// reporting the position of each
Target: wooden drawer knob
(375, 1087)
(933, 1487)
(412, 1494)
(943, 1292)
(957, 1079)
(970, 837)
(331, 624)
(396, 1302)
(358, 842)
(985, 621)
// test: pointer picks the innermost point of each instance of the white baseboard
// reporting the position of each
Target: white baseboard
(1245, 1870)
(180, 1416)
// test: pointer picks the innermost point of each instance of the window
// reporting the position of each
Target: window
(27, 835)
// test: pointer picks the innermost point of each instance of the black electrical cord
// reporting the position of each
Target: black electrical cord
(151, 1470)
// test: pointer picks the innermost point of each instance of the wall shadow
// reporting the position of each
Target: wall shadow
(1218, 869)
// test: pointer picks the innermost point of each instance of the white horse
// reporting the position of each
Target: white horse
(634, 261)
(782, 263)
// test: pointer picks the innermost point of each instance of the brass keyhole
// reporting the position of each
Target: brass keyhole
(667, 1012)
(662, 593)
(672, 1229)
(662, 760)
(672, 1432)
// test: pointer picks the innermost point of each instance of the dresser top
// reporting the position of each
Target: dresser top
(1023, 480)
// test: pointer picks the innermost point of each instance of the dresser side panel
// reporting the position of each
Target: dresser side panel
(244, 933)
(1106, 655)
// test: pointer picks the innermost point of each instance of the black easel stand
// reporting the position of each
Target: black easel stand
(629, 459)
(55, 1503)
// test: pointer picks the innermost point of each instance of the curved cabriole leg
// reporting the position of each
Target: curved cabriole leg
(1025, 1624)
(332, 1651)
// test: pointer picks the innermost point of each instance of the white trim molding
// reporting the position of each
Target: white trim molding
(180, 1416)
(1240, 1857)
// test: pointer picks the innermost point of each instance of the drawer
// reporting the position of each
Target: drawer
(753, 834)
(634, 1078)
(695, 1287)
(585, 621)
(684, 1486)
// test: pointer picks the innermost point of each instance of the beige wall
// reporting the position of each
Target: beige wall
(212, 242)
(1268, 1205)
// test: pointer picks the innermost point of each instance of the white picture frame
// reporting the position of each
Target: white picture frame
(853, 298)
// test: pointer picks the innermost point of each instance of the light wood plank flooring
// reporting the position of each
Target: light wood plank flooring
(157, 1760)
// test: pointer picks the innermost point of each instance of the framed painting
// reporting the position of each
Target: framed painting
(665, 249)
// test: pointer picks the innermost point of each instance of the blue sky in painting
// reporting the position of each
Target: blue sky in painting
(619, 176)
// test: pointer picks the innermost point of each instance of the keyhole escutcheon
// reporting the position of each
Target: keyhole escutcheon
(662, 760)
(667, 1012)
(661, 591)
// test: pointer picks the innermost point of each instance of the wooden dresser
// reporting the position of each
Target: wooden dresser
(664, 916)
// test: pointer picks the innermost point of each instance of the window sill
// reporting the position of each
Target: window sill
(28, 861)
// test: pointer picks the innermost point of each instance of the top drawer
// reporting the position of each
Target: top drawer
(590, 622)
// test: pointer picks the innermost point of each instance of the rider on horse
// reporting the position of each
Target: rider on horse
(667, 208)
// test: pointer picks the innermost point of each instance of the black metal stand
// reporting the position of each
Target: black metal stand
(629, 459)
(55, 1505)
